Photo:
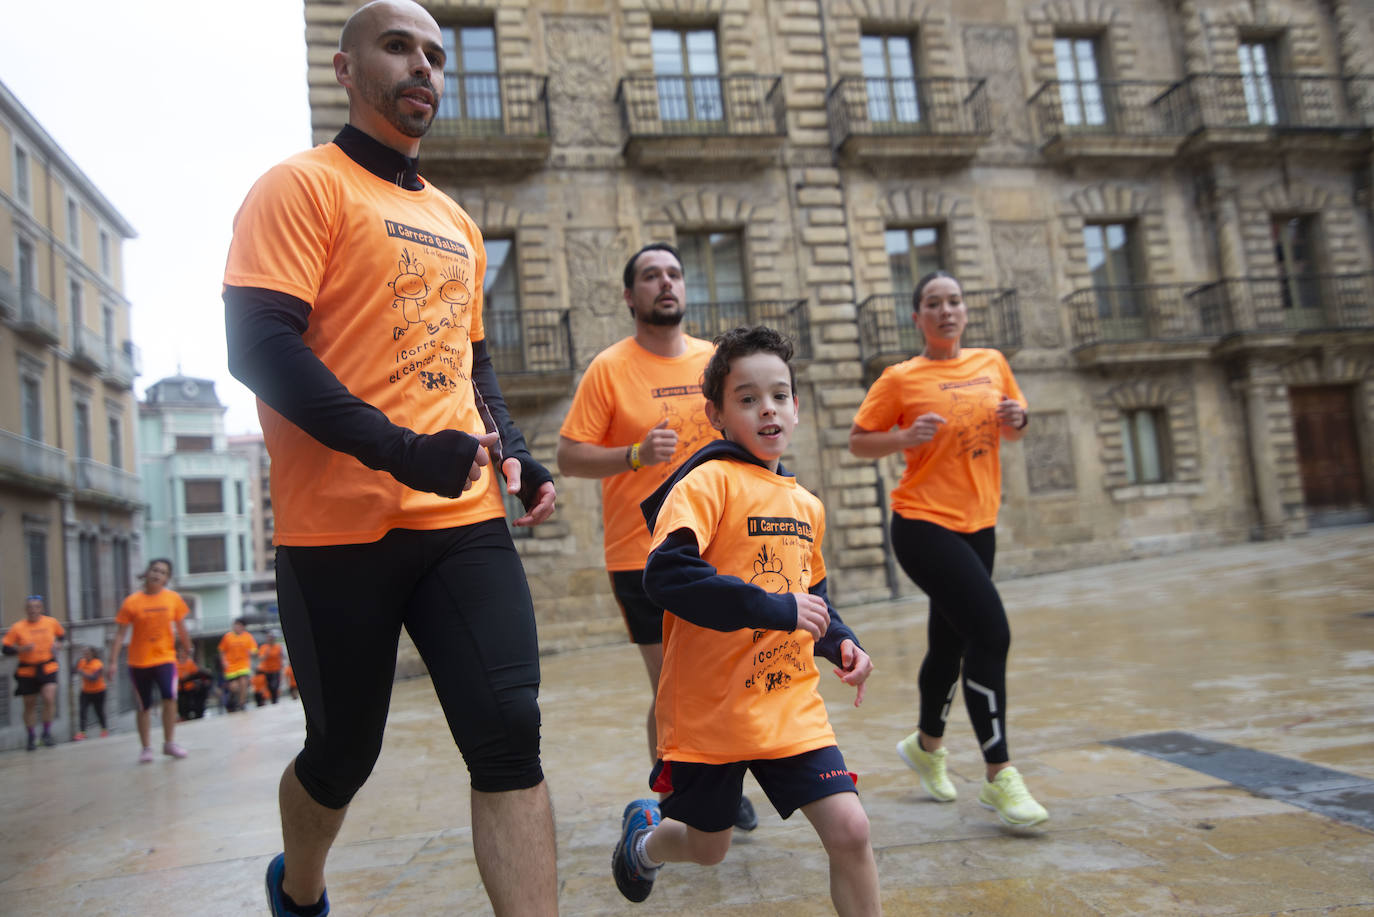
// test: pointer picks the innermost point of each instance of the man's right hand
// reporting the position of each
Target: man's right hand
(812, 614)
(482, 458)
(658, 445)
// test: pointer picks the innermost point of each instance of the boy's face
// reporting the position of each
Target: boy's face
(758, 410)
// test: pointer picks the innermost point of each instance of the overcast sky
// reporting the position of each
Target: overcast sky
(172, 109)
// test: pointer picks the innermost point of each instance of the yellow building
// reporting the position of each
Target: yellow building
(70, 504)
(1161, 212)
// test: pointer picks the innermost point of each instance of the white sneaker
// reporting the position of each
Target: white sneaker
(929, 766)
(1007, 795)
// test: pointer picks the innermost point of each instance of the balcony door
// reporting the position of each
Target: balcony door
(1076, 64)
(889, 69)
(26, 268)
(1110, 250)
(687, 70)
(501, 305)
(78, 311)
(1257, 83)
(713, 270)
(472, 88)
(1295, 252)
(912, 253)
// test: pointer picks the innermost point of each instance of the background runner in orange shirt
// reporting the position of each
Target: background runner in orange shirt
(948, 411)
(92, 672)
(32, 639)
(193, 687)
(236, 651)
(270, 665)
(154, 619)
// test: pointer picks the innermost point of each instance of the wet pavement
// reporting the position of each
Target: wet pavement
(1201, 728)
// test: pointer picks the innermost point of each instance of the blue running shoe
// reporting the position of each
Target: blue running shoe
(746, 819)
(634, 881)
(276, 898)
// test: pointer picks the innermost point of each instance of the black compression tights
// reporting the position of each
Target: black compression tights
(462, 596)
(967, 628)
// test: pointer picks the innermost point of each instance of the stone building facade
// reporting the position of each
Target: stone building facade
(1161, 212)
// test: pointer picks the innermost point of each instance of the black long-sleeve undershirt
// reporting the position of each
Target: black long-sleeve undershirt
(263, 329)
(678, 579)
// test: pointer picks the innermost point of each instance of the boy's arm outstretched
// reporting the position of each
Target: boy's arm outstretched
(677, 578)
(840, 646)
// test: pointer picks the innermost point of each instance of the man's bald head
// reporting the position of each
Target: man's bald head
(363, 24)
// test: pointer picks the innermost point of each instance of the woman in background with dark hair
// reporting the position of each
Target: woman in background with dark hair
(947, 410)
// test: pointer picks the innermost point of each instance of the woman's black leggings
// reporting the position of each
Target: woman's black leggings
(967, 628)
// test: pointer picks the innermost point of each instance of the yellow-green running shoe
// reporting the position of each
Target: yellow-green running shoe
(1007, 795)
(929, 766)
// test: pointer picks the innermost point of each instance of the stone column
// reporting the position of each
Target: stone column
(1349, 40)
(1194, 42)
(1273, 451)
(1220, 201)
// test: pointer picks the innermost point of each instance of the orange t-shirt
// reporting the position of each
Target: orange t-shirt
(186, 669)
(626, 391)
(237, 650)
(269, 657)
(290, 677)
(394, 282)
(260, 683)
(43, 633)
(955, 480)
(91, 667)
(743, 694)
(153, 641)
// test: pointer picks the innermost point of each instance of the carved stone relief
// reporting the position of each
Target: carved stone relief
(581, 85)
(1049, 454)
(992, 52)
(1022, 252)
(595, 261)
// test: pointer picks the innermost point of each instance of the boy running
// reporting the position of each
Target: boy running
(736, 561)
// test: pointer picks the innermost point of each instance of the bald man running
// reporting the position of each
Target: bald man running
(353, 308)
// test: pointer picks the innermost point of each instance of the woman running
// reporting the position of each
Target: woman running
(947, 410)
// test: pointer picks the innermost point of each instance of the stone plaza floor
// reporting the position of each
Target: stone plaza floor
(1201, 728)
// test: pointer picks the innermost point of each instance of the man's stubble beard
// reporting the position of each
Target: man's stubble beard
(387, 102)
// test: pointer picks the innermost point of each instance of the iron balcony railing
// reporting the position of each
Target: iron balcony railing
(886, 106)
(1134, 108)
(123, 365)
(493, 105)
(730, 106)
(38, 315)
(886, 327)
(107, 480)
(529, 341)
(88, 349)
(1139, 312)
(30, 459)
(1299, 302)
(1291, 101)
(790, 316)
